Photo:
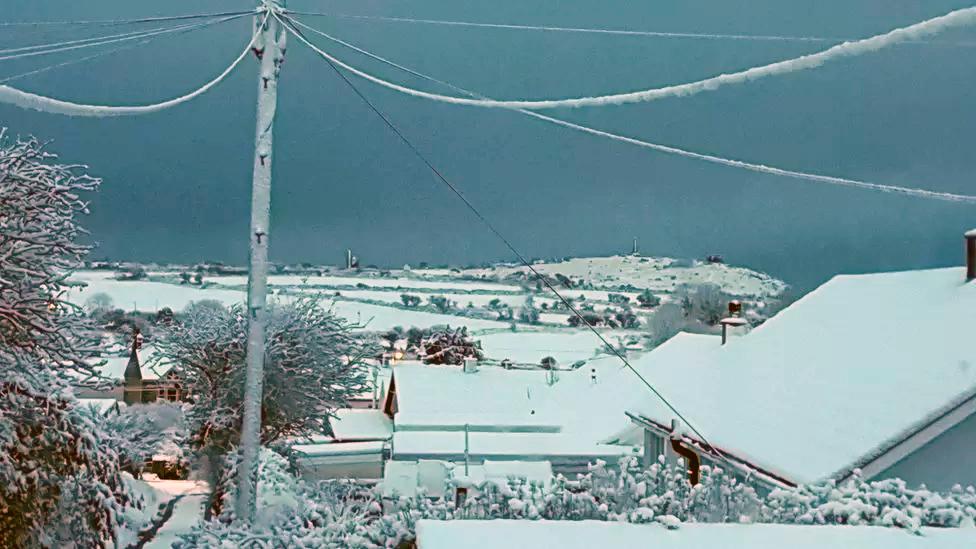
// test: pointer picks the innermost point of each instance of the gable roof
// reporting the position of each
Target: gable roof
(832, 380)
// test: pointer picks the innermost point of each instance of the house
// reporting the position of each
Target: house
(131, 382)
(585, 534)
(479, 414)
(873, 372)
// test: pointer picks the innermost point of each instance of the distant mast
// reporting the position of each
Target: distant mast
(636, 252)
(349, 259)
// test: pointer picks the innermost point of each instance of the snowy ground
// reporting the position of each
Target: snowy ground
(527, 534)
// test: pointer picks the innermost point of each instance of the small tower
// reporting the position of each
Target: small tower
(132, 388)
(636, 251)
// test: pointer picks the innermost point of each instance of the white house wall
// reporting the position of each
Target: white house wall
(946, 460)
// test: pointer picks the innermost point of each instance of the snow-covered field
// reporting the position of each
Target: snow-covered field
(654, 273)
(400, 282)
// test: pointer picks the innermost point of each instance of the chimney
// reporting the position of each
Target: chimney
(733, 320)
(970, 254)
(470, 365)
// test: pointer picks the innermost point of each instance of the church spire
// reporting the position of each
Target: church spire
(133, 372)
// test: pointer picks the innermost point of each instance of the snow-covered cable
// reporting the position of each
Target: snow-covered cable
(958, 18)
(760, 168)
(587, 30)
(106, 52)
(124, 21)
(26, 100)
(46, 49)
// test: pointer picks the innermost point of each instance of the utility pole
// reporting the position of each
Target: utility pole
(269, 47)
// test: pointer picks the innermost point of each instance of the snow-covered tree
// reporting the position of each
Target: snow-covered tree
(59, 483)
(137, 433)
(705, 302)
(665, 323)
(447, 346)
(528, 313)
(314, 362)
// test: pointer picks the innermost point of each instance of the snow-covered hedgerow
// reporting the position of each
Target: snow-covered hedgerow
(341, 514)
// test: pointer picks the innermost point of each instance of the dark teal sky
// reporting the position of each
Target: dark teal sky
(176, 183)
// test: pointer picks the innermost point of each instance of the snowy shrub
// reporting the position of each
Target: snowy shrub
(647, 299)
(410, 300)
(879, 503)
(60, 482)
(442, 304)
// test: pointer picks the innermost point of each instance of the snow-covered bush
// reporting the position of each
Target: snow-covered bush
(447, 346)
(60, 482)
(879, 503)
(337, 514)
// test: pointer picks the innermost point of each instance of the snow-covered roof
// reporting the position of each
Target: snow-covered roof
(506, 446)
(361, 424)
(530, 347)
(338, 448)
(531, 534)
(826, 383)
(432, 397)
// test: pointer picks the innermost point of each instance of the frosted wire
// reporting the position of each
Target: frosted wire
(918, 193)
(616, 32)
(26, 100)
(958, 18)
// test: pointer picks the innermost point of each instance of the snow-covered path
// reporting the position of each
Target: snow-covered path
(187, 512)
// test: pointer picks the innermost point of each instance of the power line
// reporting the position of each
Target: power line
(105, 53)
(33, 51)
(298, 34)
(759, 168)
(125, 21)
(958, 18)
(617, 32)
(26, 100)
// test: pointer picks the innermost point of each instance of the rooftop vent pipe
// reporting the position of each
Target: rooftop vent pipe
(733, 320)
(970, 254)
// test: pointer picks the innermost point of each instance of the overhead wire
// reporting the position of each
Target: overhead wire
(109, 22)
(605, 31)
(474, 210)
(954, 19)
(109, 51)
(33, 51)
(739, 164)
(27, 100)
